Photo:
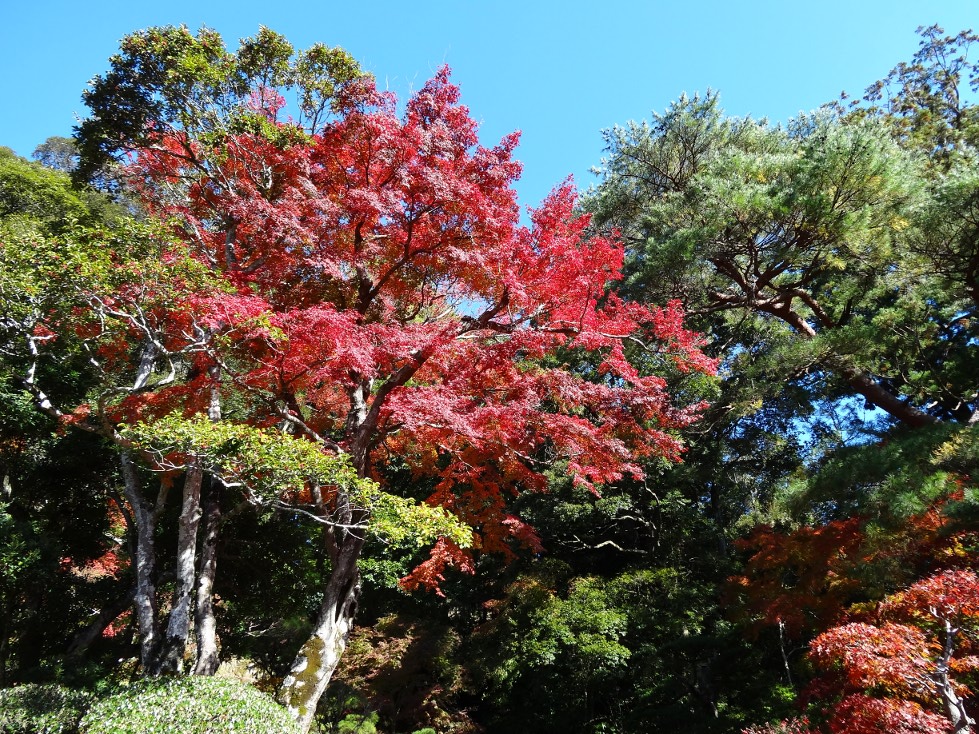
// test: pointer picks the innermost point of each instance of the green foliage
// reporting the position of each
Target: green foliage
(802, 241)
(41, 709)
(57, 153)
(926, 100)
(31, 191)
(639, 650)
(168, 79)
(886, 480)
(270, 465)
(267, 462)
(20, 554)
(549, 637)
(358, 724)
(45, 279)
(537, 627)
(191, 705)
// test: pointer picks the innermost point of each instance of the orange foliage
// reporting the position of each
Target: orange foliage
(802, 580)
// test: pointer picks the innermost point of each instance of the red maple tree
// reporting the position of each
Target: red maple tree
(799, 581)
(804, 580)
(381, 298)
(904, 672)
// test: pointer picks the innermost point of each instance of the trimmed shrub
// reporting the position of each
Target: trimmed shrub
(191, 705)
(41, 709)
(358, 724)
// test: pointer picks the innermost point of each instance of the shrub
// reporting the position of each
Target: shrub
(191, 705)
(358, 724)
(41, 709)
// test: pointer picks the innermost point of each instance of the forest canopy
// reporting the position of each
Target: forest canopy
(292, 395)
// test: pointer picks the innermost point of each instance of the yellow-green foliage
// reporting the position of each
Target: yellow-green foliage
(193, 705)
(270, 464)
(45, 278)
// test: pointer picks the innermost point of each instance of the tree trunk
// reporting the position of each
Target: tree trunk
(318, 658)
(887, 401)
(94, 629)
(955, 709)
(343, 539)
(171, 655)
(204, 620)
(8, 614)
(861, 382)
(952, 703)
(145, 596)
(205, 623)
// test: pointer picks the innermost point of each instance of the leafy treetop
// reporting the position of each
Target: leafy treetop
(384, 299)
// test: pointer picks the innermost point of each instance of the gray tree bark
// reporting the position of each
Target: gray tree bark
(205, 622)
(147, 618)
(319, 656)
(170, 659)
(952, 703)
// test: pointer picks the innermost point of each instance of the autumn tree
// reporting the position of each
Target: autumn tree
(112, 299)
(385, 301)
(902, 666)
(917, 653)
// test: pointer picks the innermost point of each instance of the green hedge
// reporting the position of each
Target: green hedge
(190, 705)
(41, 709)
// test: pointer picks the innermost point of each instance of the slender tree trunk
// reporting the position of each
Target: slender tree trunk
(320, 654)
(785, 654)
(318, 658)
(145, 597)
(205, 622)
(952, 703)
(178, 627)
(8, 614)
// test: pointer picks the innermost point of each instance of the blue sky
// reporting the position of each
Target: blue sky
(558, 71)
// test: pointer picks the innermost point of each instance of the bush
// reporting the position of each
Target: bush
(190, 705)
(358, 724)
(41, 709)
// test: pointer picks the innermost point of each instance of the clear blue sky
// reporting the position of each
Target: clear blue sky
(558, 71)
